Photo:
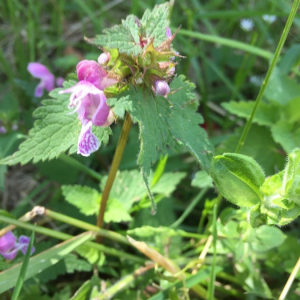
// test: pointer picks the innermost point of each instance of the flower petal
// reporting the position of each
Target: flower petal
(10, 255)
(92, 72)
(38, 70)
(24, 249)
(87, 141)
(7, 241)
(39, 90)
(100, 115)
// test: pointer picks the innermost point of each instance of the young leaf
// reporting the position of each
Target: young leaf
(291, 178)
(154, 23)
(238, 178)
(125, 37)
(55, 131)
(84, 198)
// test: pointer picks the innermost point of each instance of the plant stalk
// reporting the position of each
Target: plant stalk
(113, 170)
(269, 73)
(64, 236)
(290, 281)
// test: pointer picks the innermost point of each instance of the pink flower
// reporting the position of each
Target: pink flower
(90, 104)
(162, 88)
(91, 71)
(38, 70)
(9, 246)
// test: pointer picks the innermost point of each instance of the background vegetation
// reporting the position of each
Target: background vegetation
(227, 63)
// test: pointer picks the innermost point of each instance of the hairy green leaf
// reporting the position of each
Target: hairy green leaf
(155, 22)
(86, 199)
(286, 134)
(125, 37)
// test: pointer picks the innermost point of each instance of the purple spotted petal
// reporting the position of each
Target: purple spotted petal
(87, 141)
(7, 242)
(89, 70)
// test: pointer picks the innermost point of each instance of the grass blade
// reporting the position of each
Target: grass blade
(21, 277)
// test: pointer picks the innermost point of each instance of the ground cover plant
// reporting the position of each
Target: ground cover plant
(149, 151)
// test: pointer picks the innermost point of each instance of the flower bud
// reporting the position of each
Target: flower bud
(238, 178)
(162, 88)
(104, 58)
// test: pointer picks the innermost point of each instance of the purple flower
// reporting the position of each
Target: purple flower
(91, 71)
(90, 104)
(162, 88)
(9, 246)
(2, 130)
(38, 70)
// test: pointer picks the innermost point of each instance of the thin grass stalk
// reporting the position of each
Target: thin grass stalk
(65, 236)
(269, 73)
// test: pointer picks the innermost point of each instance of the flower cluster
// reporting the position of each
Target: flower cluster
(41, 72)
(9, 245)
(89, 101)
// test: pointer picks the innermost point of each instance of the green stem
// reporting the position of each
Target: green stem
(269, 73)
(123, 283)
(114, 168)
(190, 207)
(211, 287)
(80, 166)
(227, 42)
(64, 236)
(86, 226)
